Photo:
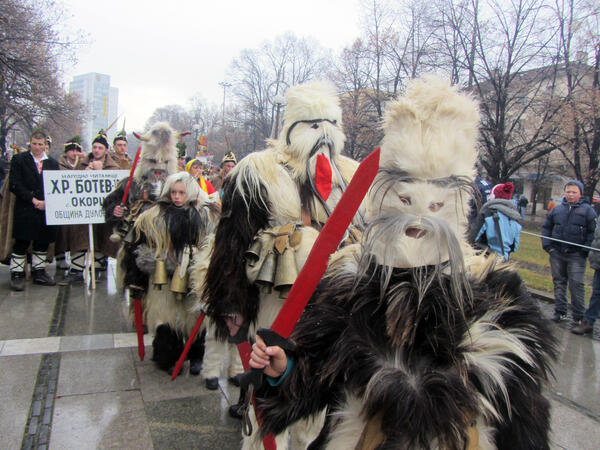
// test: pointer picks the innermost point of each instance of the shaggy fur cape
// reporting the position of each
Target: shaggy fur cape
(429, 367)
(272, 188)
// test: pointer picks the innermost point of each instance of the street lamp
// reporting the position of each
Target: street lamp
(277, 101)
(224, 85)
(275, 93)
(197, 130)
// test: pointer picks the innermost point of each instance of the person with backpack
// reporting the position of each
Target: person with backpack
(501, 222)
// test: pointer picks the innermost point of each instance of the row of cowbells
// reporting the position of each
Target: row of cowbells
(179, 284)
(278, 271)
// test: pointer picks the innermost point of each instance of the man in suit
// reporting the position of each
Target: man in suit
(29, 224)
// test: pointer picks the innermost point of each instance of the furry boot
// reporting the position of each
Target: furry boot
(196, 354)
(166, 347)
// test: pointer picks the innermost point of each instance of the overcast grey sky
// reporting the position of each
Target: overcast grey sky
(163, 52)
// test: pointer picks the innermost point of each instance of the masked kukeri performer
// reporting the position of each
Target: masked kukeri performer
(407, 347)
(158, 160)
(166, 237)
(274, 203)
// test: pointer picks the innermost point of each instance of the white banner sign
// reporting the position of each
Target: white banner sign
(76, 196)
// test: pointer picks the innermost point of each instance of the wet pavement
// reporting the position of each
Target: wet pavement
(70, 377)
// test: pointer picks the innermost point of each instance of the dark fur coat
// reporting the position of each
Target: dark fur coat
(227, 288)
(428, 369)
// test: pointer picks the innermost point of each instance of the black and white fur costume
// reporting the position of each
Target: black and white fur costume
(411, 340)
(265, 191)
(218, 353)
(173, 234)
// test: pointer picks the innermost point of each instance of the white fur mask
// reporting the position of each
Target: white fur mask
(418, 203)
(415, 223)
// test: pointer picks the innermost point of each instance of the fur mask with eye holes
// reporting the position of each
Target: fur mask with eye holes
(312, 125)
(159, 153)
(417, 205)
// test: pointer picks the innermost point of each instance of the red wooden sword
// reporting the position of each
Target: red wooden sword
(188, 345)
(131, 172)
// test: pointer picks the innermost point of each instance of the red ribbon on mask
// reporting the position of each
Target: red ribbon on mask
(323, 176)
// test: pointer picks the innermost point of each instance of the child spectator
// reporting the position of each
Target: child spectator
(501, 227)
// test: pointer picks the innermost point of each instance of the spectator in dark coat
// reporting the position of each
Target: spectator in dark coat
(480, 198)
(29, 223)
(591, 314)
(573, 221)
(522, 205)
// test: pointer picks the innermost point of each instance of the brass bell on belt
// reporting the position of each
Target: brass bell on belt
(179, 284)
(286, 272)
(253, 253)
(160, 274)
(129, 237)
(266, 274)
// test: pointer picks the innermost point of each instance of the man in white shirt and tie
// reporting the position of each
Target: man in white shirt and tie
(29, 220)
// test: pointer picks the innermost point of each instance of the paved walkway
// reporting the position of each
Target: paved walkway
(70, 377)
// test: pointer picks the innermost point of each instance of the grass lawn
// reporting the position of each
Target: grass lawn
(534, 265)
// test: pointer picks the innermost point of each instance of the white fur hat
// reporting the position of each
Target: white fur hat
(431, 131)
(311, 101)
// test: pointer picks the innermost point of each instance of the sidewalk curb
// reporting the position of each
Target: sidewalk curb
(541, 295)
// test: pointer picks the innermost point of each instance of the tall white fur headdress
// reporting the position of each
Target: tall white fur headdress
(419, 200)
(431, 131)
(313, 100)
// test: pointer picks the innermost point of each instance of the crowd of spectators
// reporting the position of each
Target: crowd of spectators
(32, 238)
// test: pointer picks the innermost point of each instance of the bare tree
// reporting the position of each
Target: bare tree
(361, 121)
(578, 38)
(251, 79)
(62, 127)
(512, 69)
(456, 35)
(31, 52)
(260, 75)
(540, 180)
(412, 49)
(206, 121)
(378, 36)
(176, 115)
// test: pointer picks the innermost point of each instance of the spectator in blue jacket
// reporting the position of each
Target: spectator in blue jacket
(573, 221)
(501, 227)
